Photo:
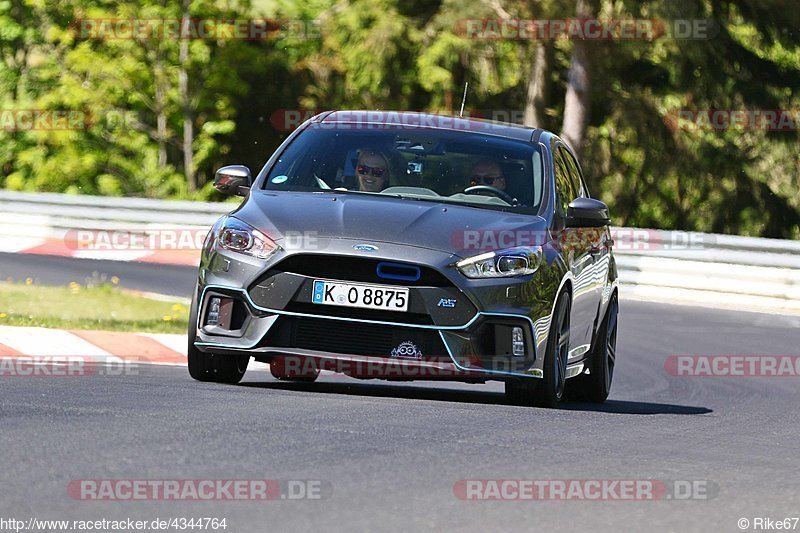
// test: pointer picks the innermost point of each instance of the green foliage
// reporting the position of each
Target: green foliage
(408, 54)
(656, 173)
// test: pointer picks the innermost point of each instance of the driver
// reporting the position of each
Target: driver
(488, 172)
(372, 170)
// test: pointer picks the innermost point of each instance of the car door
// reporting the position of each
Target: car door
(577, 250)
(597, 240)
(600, 246)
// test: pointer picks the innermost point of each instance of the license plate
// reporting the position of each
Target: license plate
(360, 295)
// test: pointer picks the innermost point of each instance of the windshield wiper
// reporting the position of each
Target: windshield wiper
(446, 200)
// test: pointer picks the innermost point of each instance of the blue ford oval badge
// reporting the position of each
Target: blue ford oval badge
(365, 248)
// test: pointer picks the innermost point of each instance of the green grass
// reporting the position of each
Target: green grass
(102, 307)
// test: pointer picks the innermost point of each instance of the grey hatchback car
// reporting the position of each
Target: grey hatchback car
(406, 246)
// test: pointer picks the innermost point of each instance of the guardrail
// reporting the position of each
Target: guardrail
(705, 267)
(95, 212)
(657, 264)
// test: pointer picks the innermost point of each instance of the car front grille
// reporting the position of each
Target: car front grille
(328, 336)
(361, 269)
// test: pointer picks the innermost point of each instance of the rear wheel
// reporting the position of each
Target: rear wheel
(210, 367)
(549, 391)
(596, 386)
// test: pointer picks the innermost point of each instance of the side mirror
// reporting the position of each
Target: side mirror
(587, 213)
(233, 180)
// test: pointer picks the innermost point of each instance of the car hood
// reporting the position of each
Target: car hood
(459, 230)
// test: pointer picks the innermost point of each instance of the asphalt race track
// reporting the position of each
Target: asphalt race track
(173, 280)
(389, 455)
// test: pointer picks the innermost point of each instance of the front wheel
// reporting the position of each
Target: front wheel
(217, 368)
(549, 391)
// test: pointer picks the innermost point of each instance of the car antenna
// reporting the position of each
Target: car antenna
(463, 100)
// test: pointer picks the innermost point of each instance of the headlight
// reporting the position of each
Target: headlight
(502, 264)
(236, 236)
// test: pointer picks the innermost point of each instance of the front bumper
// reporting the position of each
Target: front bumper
(467, 352)
(277, 319)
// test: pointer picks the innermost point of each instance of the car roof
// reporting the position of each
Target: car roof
(430, 120)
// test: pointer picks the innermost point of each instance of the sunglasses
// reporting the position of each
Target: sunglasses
(485, 180)
(375, 171)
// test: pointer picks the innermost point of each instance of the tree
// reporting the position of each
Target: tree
(577, 102)
(162, 114)
(186, 105)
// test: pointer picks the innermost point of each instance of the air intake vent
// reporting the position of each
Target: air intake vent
(397, 271)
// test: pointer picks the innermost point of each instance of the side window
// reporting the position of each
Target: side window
(565, 190)
(574, 174)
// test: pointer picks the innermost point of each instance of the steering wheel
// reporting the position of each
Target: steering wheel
(477, 189)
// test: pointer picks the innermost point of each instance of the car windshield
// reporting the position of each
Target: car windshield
(422, 164)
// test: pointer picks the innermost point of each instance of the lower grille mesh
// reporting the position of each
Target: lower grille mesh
(340, 337)
(343, 337)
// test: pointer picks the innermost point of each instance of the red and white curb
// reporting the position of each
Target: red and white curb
(96, 346)
(65, 248)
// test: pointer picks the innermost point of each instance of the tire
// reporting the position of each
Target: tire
(596, 386)
(549, 391)
(208, 367)
(307, 373)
